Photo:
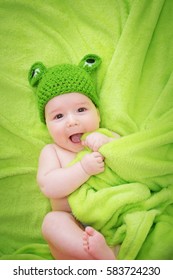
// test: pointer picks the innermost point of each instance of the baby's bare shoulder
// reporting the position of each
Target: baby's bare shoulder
(48, 151)
(49, 148)
(48, 160)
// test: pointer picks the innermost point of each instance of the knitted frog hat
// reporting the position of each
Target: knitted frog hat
(65, 78)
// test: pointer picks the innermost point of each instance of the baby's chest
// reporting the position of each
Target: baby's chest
(65, 157)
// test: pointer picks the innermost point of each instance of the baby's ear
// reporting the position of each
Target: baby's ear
(35, 73)
(90, 62)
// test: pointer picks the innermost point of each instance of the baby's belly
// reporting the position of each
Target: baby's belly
(60, 205)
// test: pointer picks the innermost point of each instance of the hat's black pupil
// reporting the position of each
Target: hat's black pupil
(35, 72)
(90, 60)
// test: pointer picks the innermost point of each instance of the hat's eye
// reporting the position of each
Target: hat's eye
(35, 72)
(90, 61)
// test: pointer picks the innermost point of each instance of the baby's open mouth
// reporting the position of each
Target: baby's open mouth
(76, 138)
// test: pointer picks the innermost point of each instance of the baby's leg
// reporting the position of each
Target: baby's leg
(64, 236)
(95, 244)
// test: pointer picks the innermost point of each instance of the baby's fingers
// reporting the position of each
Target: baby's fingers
(102, 167)
(100, 159)
(83, 142)
(97, 155)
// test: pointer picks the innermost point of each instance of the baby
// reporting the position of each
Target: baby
(68, 105)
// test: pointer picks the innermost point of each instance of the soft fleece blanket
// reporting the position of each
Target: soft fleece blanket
(124, 212)
(135, 83)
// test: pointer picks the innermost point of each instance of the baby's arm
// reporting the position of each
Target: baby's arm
(96, 139)
(56, 182)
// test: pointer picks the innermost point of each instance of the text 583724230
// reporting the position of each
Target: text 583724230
(136, 271)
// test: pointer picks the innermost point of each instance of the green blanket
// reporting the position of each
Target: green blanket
(123, 211)
(135, 82)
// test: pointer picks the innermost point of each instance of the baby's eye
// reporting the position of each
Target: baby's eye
(59, 116)
(82, 109)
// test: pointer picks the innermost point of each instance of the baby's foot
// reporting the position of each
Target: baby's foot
(94, 243)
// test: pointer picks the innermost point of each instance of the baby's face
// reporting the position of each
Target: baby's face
(68, 117)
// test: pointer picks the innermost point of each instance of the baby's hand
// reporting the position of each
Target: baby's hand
(95, 140)
(93, 163)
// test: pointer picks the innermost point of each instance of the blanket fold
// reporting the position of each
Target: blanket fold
(145, 156)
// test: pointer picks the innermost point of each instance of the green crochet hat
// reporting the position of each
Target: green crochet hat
(62, 79)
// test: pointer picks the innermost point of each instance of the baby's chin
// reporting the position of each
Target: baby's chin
(73, 147)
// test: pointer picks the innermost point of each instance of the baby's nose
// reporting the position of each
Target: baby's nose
(72, 121)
